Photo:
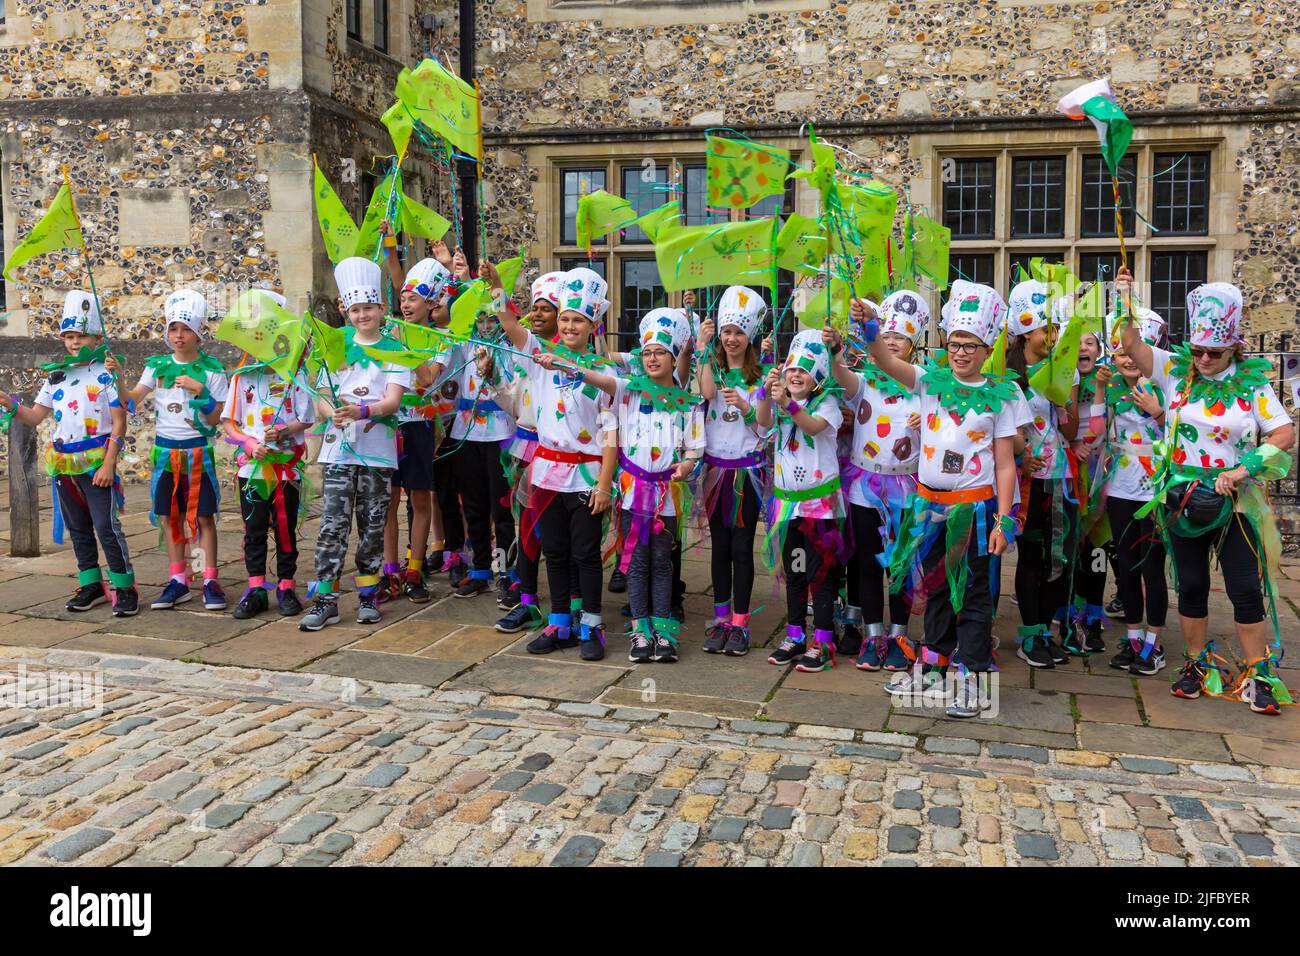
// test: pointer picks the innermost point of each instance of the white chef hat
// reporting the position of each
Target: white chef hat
(1214, 315)
(583, 291)
(975, 308)
(1027, 307)
(187, 307)
(905, 313)
(81, 314)
(546, 288)
(742, 307)
(427, 279)
(359, 281)
(665, 327)
(808, 352)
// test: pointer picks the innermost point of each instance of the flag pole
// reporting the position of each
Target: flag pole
(85, 253)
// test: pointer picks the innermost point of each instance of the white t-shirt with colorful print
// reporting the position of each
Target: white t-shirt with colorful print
(481, 419)
(881, 436)
(81, 399)
(1044, 434)
(806, 461)
(654, 439)
(1133, 462)
(957, 450)
(258, 400)
(726, 434)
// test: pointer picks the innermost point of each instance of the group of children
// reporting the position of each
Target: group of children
(884, 482)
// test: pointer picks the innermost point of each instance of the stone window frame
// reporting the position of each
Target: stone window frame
(400, 46)
(1222, 239)
(637, 13)
(550, 160)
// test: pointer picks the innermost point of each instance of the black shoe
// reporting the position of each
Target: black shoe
(626, 610)
(1033, 651)
(1115, 607)
(87, 596)
(1153, 664)
(253, 603)
(678, 614)
(617, 582)
(416, 592)
(849, 643)
(287, 602)
(642, 649)
(737, 642)
(665, 651)
(1073, 643)
(1059, 656)
(549, 640)
(1092, 639)
(1189, 681)
(715, 637)
(1259, 694)
(788, 650)
(126, 602)
(1124, 659)
(593, 648)
(458, 574)
(520, 618)
(471, 587)
(509, 595)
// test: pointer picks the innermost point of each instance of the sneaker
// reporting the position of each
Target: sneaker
(87, 596)
(549, 640)
(869, 656)
(174, 593)
(521, 617)
(1126, 656)
(850, 640)
(966, 698)
(665, 651)
(642, 650)
(678, 612)
(1034, 652)
(508, 594)
(1093, 642)
(1073, 642)
(787, 651)
(1153, 664)
(593, 647)
(1259, 694)
(458, 572)
(716, 636)
(214, 599)
(470, 587)
(416, 592)
(126, 602)
(253, 603)
(323, 611)
(1057, 652)
(1115, 607)
(737, 642)
(905, 682)
(368, 610)
(617, 582)
(287, 602)
(1188, 683)
(389, 588)
(817, 657)
(895, 659)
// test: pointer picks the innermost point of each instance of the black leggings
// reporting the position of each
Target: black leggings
(1040, 599)
(571, 535)
(1139, 564)
(483, 490)
(650, 573)
(871, 573)
(733, 548)
(1237, 549)
(804, 569)
(260, 517)
(967, 634)
(445, 487)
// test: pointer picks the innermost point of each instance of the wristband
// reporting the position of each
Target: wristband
(365, 409)
(793, 408)
(749, 416)
(211, 406)
(390, 242)
(837, 348)
(1006, 526)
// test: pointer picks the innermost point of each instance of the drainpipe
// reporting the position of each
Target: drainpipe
(468, 170)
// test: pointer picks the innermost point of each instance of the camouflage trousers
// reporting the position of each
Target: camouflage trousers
(348, 490)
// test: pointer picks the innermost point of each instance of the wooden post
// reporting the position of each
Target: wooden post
(24, 493)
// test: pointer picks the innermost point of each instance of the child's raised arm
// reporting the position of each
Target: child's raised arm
(904, 373)
(514, 329)
(844, 376)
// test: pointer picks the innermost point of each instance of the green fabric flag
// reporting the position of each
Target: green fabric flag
(1057, 276)
(509, 273)
(925, 248)
(801, 244)
(1095, 102)
(666, 216)
(863, 219)
(996, 363)
(419, 220)
(444, 103)
(269, 333)
(336, 226)
(741, 173)
(737, 253)
(1055, 378)
(328, 348)
(397, 118)
(58, 229)
(821, 176)
(474, 298)
(818, 302)
(599, 214)
(369, 236)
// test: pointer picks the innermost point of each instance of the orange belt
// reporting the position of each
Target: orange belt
(962, 496)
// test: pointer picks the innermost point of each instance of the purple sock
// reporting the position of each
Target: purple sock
(794, 632)
(823, 636)
(721, 612)
(529, 599)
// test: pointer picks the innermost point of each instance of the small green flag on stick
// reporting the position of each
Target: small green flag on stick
(336, 226)
(58, 229)
(741, 173)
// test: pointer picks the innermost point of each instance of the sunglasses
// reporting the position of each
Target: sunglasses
(964, 348)
(1208, 353)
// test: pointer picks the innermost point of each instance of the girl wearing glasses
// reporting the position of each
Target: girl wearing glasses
(960, 515)
(1226, 433)
(1049, 506)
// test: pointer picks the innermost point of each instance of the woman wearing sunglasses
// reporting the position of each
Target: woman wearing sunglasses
(1225, 434)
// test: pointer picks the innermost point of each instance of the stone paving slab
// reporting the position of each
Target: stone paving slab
(37, 632)
(370, 665)
(280, 646)
(565, 678)
(312, 777)
(131, 644)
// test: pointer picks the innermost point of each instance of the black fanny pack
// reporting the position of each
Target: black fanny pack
(1203, 505)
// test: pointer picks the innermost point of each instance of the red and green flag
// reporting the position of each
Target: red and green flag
(1095, 102)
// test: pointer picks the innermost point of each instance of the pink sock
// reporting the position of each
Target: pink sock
(739, 620)
(209, 574)
(286, 584)
(255, 582)
(179, 573)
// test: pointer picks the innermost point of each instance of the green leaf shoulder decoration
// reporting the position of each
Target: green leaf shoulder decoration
(958, 396)
(1251, 375)
(875, 378)
(166, 369)
(355, 354)
(84, 356)
(666, 398)
(735, 377)
(1119, 395)
(583, 359)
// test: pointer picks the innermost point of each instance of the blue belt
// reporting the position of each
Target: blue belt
(465, 404)
(72, 447)
(525, 434)
(198, 442)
